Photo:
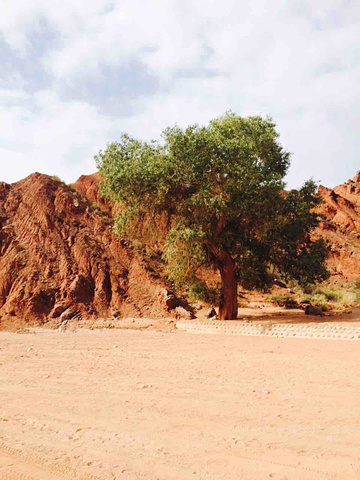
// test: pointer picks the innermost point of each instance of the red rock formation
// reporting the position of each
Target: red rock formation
(340, 227)
(59, 258)
(151, 231)
(88, 187)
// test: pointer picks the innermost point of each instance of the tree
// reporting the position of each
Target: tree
(223, 187)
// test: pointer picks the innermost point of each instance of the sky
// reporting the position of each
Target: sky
(76, 74)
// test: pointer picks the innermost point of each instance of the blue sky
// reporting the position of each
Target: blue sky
(75, 75)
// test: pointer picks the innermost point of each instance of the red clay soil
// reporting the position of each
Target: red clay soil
(59, 259)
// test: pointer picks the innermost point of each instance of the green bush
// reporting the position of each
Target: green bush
(284, 301)
(317, 299)
(70, 187)
(198, 290)
(356, 290)
(329, 298)
(329, 294)
(358, 296)
(57, 179)
(97, 206)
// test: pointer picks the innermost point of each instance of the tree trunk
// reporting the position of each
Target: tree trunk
(228, 305)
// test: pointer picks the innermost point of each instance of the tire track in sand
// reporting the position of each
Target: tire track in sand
(258, 467)
(18, 465)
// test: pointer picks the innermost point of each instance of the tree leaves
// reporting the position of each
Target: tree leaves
(222, 185)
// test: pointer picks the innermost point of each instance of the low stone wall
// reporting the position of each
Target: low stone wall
(321, 331)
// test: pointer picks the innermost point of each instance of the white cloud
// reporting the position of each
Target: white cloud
(50, 136)
(297, 61)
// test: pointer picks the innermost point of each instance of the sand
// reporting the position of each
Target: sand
(142, 404)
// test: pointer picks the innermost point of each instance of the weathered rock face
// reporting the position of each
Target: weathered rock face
(88, 187)
(151, 231)
(60, 257)
(341, 227)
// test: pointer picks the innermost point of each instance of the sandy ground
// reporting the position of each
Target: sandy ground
(143, 404)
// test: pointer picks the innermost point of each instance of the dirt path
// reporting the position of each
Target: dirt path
(128, 404)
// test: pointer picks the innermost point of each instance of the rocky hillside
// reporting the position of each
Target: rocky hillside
(60, 259)
(341, 227)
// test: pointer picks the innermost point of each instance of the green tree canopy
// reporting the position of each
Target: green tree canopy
(223, 186)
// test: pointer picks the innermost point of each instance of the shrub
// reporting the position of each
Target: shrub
(198, 290)
(317, 299)
(350, 298)
(70, 187)
(57, 179)
(97, 206)
(284, 301)
(357, 296)
(329, 294)
(356, 290)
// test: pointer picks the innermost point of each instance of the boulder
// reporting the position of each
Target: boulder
(171, 301)
(68, 314)
(58, 309)
(312, 310)
(180, 312)
(211, 313)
